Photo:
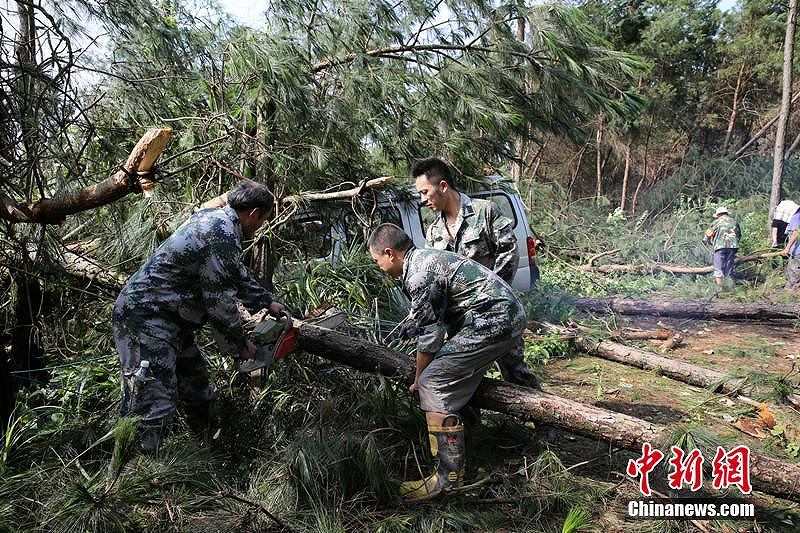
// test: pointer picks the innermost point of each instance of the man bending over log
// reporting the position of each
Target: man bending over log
(193, 278)
(467, 317)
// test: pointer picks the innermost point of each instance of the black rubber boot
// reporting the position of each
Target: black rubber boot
(199, 418)
(448, 448)
(151, 434)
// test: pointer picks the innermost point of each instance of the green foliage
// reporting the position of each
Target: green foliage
(577, 520)
(350, 284)
(704, 177)
(542, 350)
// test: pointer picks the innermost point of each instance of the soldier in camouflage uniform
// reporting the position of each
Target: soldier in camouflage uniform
(467, 317)
(724, 234)
(475, 229)
(193, 278)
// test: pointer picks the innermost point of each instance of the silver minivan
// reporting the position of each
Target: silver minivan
(414, 219)
(324, 237)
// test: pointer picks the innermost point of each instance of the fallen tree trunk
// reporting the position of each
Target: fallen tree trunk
(674, 369)
(678, 370)
(524, 403)
(55, 210)
(769, 475)
(222, 199)
(661, 334)
(650, 268)
(687, 309)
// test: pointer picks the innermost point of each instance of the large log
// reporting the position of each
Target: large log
(54, 210)
(687, 309)
(671, 368)
(769, 475)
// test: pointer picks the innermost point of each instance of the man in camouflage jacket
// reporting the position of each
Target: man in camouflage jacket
(475, 229)
(724, 234)
(466, 317)
(193, 278)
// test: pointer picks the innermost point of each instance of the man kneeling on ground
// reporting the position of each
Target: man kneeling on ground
(466, 317)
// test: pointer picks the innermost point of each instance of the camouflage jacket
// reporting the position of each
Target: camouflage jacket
(193, 278)
(482, 234)
(457, 304)
(723, 233)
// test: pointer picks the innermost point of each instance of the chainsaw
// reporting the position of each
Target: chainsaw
(273, 339)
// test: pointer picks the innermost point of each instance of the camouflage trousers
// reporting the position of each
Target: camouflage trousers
(177, 373)
(448, 383)
(793, 273)
(514, 369)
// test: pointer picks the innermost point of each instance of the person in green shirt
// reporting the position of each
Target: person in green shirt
(724, 234)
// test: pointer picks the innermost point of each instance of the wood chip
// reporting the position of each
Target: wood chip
(671, 343)
(750, 428)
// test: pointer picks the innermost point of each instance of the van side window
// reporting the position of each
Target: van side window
(502, 202)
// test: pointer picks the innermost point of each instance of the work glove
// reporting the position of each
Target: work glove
(409, 331)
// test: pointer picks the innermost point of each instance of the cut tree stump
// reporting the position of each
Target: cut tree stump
(670, 343)
(689, 309)
(768, 475)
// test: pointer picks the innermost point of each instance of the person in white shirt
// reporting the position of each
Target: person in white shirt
(780, 220)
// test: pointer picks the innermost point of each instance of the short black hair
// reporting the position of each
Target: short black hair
(435, 169)
(249, 194)
(388, 236)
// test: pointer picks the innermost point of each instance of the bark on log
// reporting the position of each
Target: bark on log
(661, 335)
(674, 369)
(55, 210)
(650, 268)
(687, 309)
(526, 404)
(769, 475)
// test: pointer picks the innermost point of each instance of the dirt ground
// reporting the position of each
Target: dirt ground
(760, 350)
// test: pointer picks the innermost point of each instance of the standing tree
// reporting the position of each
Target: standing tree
(786, 107)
